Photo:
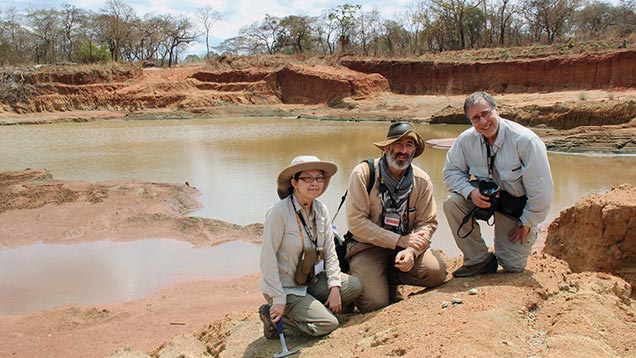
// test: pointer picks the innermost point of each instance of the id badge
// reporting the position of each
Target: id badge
(391, 220)
(319, 267)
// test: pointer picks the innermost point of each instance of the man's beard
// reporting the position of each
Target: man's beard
(397, 164)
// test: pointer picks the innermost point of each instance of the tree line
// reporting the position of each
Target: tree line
(116, 33)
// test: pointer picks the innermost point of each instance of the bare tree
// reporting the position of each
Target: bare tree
(115, 24)
(459, 17)
(627, 22)
(46, 25)
(325, 31)
(179, 34)
(72, 20)
(505, 12)
(595, 21)
(208, 17)
(367, 30)
(413, 19)
(550, 17)
(264, 35)
(15, 40)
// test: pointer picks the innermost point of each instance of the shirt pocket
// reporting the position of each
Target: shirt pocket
(511, 179)
(478, 172)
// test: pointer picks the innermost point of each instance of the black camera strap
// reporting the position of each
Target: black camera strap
(470, 215)
(490, 159)
(300, 216)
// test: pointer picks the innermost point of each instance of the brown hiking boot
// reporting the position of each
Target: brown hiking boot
(269, 329)
(490, 265)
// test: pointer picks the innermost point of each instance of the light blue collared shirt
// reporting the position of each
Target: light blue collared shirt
(521, 167)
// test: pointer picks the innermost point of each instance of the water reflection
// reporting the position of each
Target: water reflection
(44, 276)
(234, 161)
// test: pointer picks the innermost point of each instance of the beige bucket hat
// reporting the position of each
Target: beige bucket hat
(302, 163)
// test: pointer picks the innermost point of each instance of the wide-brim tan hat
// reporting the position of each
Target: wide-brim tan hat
(300, 164)
(398, 130)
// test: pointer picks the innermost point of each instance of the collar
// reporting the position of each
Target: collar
(296, 204)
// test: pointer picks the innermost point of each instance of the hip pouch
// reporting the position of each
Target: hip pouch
(305, 274)
(511, 205)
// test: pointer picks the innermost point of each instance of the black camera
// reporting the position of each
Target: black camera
(489, 189)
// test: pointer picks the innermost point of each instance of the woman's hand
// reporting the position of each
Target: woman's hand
(334, 301)
(276, 312)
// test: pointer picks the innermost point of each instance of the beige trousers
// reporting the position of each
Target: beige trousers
(375, 267)
(309, 314)
(513, 257)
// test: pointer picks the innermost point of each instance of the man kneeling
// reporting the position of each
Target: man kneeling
(392, 225)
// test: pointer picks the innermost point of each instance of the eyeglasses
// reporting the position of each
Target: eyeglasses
(311, 180)
(483, 114)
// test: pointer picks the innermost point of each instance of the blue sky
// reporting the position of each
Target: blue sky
(235, 13)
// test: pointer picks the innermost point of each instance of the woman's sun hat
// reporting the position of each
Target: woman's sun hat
(398, 130)
(300, 164)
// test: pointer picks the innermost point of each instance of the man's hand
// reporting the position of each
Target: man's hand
(334, 301)
(404, 260)
(480, 200)
(519, 234)
(414, 240)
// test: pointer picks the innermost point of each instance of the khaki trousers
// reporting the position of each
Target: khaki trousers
(513, 257)
(309, 314)
(375, 267)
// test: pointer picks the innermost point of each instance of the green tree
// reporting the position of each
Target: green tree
(345, 16)
(88, 52)
(295, 34)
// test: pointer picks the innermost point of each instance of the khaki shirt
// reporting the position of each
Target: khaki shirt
(364, 210)
(282, 246)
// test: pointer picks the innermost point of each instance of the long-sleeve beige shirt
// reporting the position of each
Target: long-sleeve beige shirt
(364, 210)
(282, 246)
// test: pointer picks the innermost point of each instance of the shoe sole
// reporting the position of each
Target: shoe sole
(487, 269)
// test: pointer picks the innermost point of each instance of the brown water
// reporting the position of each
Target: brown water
(234, 163)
